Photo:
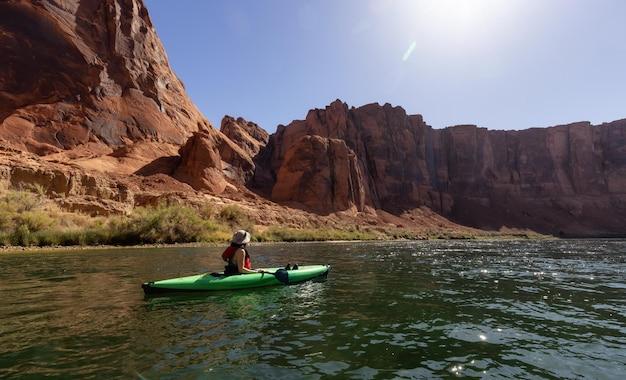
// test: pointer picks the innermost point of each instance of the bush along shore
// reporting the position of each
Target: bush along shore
(29, 219)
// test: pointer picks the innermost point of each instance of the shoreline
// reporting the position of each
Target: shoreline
(39, 229)
(74, 248)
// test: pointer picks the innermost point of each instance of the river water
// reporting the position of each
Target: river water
(485, 309)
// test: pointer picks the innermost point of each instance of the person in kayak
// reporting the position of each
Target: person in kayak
(237, 257)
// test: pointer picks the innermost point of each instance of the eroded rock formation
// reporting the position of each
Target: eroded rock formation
(247, 135)
(390, 155)
(86, 87)
(77, 190)
(88, 82)
(321, 173)
(567, 180)
(241, 143)
(210, 159)
(200, 164)
(89, 74)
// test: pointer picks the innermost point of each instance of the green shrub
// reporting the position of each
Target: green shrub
(34, 220)
(29, 219)
(234, 216)
(21, 236)
(163, 224)
(206, 211)
(47, 238)
(321, 234)
(404, 234)
(20, 201)
(6, 220)
(5, 239)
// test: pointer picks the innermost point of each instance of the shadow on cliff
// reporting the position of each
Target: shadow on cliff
(546, 216)
(162, 165)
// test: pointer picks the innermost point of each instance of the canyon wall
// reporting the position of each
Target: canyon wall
(88, 83)
(88, 76)
(567, 180)
(90, 110)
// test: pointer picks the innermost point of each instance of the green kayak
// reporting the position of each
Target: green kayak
(219, 281)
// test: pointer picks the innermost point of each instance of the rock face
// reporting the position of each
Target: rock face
(200, 163)
(241, 143)
(90, 193)
(386, 143)
(79, 191)
(567, 180)
(90, 74)
(88, 82)
(247, 135)
(210, 159)
(321, 173)
(86, 87)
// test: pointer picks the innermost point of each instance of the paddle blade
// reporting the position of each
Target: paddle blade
(282, 276)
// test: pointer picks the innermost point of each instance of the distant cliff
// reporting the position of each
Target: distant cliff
(566, 180)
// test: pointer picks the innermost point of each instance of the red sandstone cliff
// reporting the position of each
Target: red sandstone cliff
(242, 142)
(86, 87)
(83, 78)
(567, 180)
(88, 82)
(209, 160)
(321, 173)
(391, 152)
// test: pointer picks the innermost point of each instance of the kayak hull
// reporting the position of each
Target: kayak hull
(218, 281)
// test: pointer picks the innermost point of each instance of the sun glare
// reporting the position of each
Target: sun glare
(453, 15)
(457, 24)
(463, 20)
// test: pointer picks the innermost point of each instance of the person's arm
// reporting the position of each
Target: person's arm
(239, 257)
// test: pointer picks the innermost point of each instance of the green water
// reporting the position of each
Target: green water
(528, 309)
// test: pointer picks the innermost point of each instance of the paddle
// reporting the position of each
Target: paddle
(281, 275)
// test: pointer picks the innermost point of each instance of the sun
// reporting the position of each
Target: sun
(457, 15)
(456, 24)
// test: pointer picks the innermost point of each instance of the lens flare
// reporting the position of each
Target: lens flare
(409, 51)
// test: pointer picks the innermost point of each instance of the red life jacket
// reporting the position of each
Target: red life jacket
(229, 253)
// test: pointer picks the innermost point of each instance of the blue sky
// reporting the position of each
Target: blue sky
(501, 64)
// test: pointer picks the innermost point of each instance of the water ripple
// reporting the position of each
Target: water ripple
(434, 309)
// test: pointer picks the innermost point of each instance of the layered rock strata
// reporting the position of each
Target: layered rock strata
(247, 135)
(90, 74)
(326, 174)
(242, 142)
(94, 193)
(87, 88)
(210, 160)
(566, 180)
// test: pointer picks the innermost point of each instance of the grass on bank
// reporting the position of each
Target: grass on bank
(29, 219)
(308, 234)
